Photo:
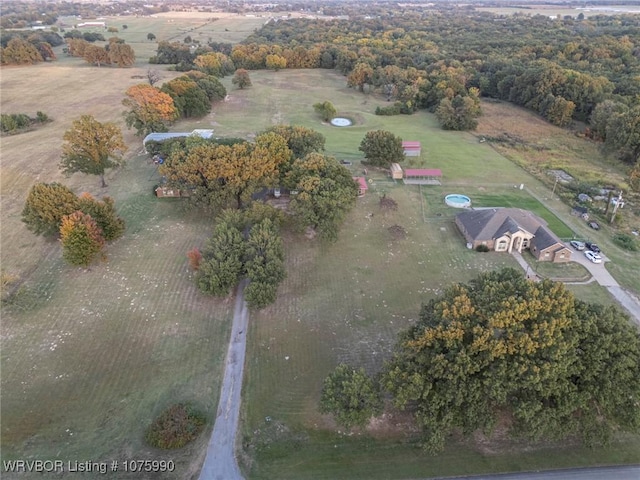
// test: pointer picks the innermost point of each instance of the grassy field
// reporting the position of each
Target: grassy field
(542, 147)
(90, 356)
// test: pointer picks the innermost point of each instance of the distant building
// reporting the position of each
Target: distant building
(91, 24)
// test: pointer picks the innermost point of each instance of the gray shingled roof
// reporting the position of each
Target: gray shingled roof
(487, 224)
(544, 238)
(491, 223)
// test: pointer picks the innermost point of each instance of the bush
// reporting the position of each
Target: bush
(626, 241)
(14, 121)
(396, 109)
(482, 248)
(175, 427)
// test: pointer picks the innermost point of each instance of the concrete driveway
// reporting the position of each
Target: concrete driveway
(600, 274)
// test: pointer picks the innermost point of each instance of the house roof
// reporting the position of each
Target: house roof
(160, 136)
(410, 145)
(395, 167)
(579, 209)
(491, 223)
(423, 172)
(362, 183)
(544, 238)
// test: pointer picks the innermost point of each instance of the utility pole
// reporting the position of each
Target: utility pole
(554, 186)
(616, 206)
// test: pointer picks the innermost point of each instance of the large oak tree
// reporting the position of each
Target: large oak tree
(92, 147)
(326, 192)
(221, 174)
(504, 347)
(382, 148)
(46, 205)
(150, 109)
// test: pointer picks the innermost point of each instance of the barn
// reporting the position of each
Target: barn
(422, 176)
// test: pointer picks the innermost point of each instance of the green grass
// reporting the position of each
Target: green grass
(323, 455)
(593, 293)
(521, 199)
(89, 358)
(561, 272)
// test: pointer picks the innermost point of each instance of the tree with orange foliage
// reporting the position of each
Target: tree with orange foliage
(221, 174)
(121, 54)
(92, 147)
(81, 239)
(96, 55)
(104, 214)
(150, 109)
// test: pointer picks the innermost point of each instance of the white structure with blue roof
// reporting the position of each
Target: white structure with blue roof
(160, 137)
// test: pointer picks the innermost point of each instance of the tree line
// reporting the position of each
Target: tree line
(441, 61)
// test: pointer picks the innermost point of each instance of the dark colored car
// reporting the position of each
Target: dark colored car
(594, 225)
(593, 247)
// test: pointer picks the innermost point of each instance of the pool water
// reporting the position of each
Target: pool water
(341, 122)
(457, 200)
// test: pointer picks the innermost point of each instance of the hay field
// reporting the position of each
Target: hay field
(89, 357)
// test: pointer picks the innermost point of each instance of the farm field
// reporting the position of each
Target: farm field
(553, 11)
(88, 358)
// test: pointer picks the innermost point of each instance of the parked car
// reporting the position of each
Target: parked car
(593, 256)
(345, 162)
(577, 244)
(593, 247)
(594, 225)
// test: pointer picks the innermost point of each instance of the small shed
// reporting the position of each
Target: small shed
(361, 182)
(581, 212)
(422, 176)
(396, 171)
(164, 191)
(411, 148)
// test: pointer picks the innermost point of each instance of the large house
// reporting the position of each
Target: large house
(509, 229)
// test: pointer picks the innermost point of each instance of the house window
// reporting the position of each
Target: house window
(525, 243)
(502, 245)
(546, 254)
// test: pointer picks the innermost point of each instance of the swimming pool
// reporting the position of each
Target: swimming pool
(457, 200)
